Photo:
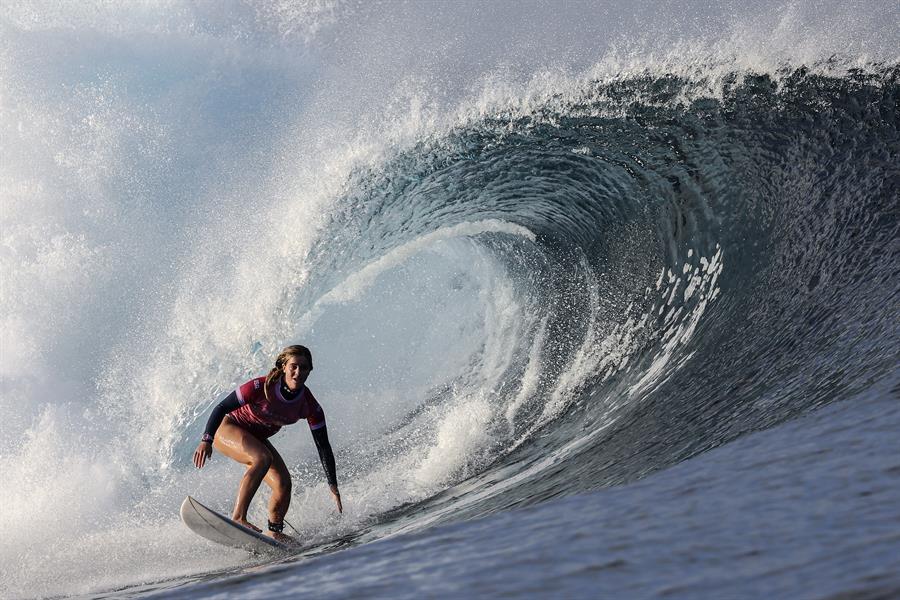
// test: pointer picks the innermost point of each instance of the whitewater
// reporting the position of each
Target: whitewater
(602, 298)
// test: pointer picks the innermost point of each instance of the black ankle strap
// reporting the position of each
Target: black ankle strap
(279, 527)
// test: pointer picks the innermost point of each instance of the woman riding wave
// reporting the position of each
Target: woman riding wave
(241, 425)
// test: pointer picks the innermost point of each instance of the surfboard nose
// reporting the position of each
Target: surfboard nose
(215, 527)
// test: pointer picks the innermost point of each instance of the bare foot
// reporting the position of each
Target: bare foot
(247, 524)
(280, 537)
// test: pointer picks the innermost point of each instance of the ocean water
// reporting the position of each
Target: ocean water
(603, 299)
(806, 509)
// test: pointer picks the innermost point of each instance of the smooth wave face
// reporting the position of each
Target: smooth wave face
(516, 285)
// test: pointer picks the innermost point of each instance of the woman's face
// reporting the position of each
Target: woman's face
(296, 370)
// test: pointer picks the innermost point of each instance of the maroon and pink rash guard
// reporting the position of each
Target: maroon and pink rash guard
(249, 408)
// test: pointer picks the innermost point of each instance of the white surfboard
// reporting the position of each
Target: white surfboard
(208, 523)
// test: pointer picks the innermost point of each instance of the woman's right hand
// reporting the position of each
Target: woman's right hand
(203, 451)
(337, 497)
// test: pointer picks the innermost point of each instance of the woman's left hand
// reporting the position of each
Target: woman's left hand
(337, 498)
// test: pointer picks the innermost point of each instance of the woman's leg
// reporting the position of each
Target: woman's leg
(244, 447)
(279, 479)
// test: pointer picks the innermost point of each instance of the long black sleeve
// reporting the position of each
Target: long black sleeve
(326, 456)
(227, 405)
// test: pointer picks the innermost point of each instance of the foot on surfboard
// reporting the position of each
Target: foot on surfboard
(247, 524)
(280, 537)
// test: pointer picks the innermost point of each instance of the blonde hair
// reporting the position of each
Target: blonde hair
(282, 358)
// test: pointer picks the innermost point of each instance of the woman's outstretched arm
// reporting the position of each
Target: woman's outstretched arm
(326, 457)
(204, 448)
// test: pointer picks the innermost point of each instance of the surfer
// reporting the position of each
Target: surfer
(241, 425)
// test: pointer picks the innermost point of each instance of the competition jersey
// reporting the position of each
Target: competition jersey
(264, 417)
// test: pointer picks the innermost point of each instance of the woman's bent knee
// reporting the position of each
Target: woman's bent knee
(279, 481)
(261, 461)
